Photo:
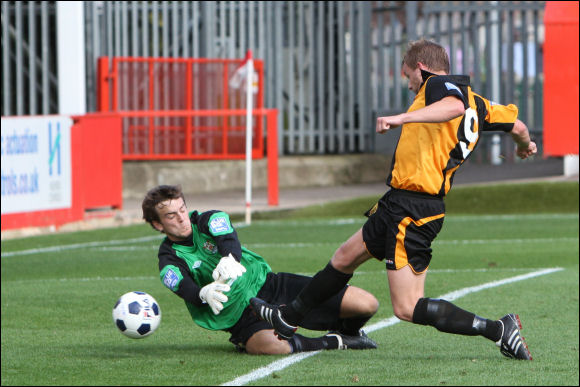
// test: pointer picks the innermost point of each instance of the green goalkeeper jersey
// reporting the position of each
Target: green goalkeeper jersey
(186, 267)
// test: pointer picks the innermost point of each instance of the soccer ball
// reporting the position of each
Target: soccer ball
(136, 314)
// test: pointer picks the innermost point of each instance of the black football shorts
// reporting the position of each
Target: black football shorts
(282, 288)
(401, 227)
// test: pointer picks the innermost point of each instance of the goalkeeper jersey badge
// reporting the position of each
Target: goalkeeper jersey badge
(219, 225)
(210, 247)
(170, 279)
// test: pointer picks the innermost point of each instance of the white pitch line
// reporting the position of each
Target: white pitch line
(327, 222)
(460, 218)
(297, 245)
(292, 359)
(436, 242)
(120, 242)
(293, 245)
(84, 245)
(356, 273)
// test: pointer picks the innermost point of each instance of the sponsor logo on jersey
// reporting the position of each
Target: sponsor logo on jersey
(219, 225)
(195, 265)
(210, 247)
(170, 279)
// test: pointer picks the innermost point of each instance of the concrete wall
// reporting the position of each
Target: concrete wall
(294, 171)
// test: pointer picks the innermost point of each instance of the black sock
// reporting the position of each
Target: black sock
(449, 318)
(299, 343)
(351, 326)
(325, 284)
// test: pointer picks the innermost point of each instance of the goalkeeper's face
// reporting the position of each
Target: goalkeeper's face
(173, 219)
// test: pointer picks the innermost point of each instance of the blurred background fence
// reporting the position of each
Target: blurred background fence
(329, 67)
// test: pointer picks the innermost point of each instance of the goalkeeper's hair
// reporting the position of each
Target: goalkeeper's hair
(156, 196)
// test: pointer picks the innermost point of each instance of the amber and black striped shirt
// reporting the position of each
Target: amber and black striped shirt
(428, 154)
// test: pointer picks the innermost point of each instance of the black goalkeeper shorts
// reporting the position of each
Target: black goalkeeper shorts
(282, 288)
(401, 227)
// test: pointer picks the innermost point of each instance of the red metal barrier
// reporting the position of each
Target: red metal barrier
(561, 78)
(183, 134)
(100, 164)
(158, 85)
(96, 173)
(190, 142)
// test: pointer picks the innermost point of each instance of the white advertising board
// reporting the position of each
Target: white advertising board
(36, 163)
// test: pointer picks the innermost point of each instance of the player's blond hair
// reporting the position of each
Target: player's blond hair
(429, 53)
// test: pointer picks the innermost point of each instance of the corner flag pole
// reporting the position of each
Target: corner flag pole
(249, 100)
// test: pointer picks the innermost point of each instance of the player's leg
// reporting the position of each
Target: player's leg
(351, 254)
(356, 308)
(330, 280)
(408, 251)
(406, 288)
(358, 302)
(409, 304)
(325, 284)
(264, 342)
(406, 285)
(413, 223)
(343, 314)
(254, 336)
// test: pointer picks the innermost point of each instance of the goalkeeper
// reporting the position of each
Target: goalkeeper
(202, 261)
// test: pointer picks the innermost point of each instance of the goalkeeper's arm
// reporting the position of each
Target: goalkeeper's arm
(189, 291)
(210, 295)
(226, 237)
(229, 244)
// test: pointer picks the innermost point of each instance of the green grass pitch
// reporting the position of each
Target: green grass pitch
(58, 292)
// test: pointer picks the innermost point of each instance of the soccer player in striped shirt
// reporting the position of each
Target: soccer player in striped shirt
(439, 131)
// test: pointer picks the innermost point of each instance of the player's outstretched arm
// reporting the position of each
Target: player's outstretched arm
(443, 110)
(525, 147)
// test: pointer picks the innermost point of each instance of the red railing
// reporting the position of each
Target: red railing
(180, 108)
(259, 115)
(165, 135)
